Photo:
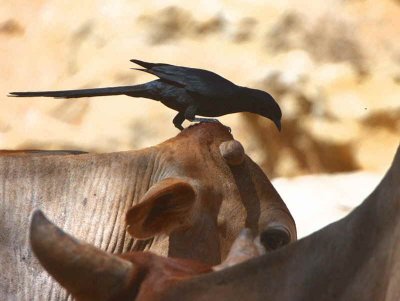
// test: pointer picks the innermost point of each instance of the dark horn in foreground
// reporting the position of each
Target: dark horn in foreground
(82, 269)
(91, 274)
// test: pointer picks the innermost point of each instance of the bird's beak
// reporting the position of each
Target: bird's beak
(278, 124)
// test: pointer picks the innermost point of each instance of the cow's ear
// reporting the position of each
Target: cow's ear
(166, 206)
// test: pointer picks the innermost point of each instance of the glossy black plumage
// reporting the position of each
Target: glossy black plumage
(189, 91)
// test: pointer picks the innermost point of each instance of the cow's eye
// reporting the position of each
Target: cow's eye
(275, 237)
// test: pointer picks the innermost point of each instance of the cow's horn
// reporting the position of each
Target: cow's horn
(243, 248)
(85, 271)
(232, 151)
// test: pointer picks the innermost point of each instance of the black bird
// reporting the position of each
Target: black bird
(189, 91)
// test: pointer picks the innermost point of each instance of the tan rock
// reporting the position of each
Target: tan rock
(334, 71)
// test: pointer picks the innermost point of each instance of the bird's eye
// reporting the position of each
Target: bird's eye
(274, 238)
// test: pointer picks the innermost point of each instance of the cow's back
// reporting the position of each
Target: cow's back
(88, 194)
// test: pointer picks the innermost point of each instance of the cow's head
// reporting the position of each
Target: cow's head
(205, 190)
(91, 274)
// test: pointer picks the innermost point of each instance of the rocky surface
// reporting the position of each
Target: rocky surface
(318, 200)
(335, 70)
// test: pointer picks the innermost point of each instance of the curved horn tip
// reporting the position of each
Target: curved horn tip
(38, 220)
(246, 233)
(242, 249)
(38, 217)
(232, 151)
(87, 272)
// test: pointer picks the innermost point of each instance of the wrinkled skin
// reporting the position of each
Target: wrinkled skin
(91, 274)
(192, 193)
(356, 258)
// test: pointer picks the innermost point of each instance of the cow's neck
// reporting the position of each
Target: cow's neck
(202, 239)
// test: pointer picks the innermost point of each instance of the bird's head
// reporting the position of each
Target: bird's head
(262, 103)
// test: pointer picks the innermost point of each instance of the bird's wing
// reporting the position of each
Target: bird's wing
(194, 80)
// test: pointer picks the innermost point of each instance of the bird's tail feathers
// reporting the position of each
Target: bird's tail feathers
(140, 69)
(131, 90)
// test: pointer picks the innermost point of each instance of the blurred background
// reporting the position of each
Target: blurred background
(333, 66)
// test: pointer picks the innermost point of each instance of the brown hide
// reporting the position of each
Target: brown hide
(89, 196)
(356, 258)
(91, 274)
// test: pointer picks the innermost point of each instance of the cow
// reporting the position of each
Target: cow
(355, 258)
(187, 197)
(91, 274)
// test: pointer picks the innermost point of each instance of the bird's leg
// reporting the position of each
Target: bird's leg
(190, 112)
(178, 120)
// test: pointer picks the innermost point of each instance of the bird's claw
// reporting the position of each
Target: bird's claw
(211, 120)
